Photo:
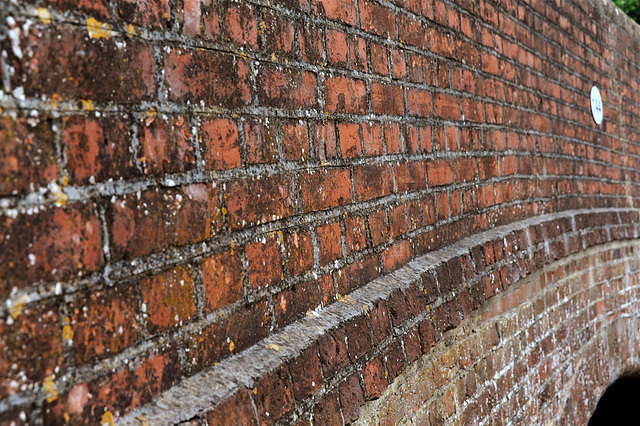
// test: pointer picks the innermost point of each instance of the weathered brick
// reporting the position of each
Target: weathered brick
(375, 381)
(357, 274)
(420, 103)
(410, 176)
(265, 263)
(351, 397)
(241, 24)
(330, 242)
(350, 140)
(168, 217)
(236, 409)
(387, 99)
(325, 188)
(97, 149)
(345, 95)
(274, 396)
(104, 72)
(305, 374)
(297, 300)
(439, 172)
(145, 13)
(188, 78)
(358, 339)
(261, 142)
(29, 155)
(166, 145)
(333, 353)
(295, 142)
(324, 141)
(372, 142)
(377, 19)
(378, 227)
(355, 233)
(103, 323)
(373, 181)
(287, 88)
(221, 280)
(169, 299)
(34, 329)
(259, 200)
(220, 143)
(341, 11)
(51, 244)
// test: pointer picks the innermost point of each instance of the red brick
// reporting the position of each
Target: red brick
(145, 13)
(241, 24)
(305, 374)
(439, 172)
(265, 263)
(337, 48)
(221, 280)
(324, 141)
(472, 110)
(325, 188)
(379, 319)
(234, 410)
(377, 19)
(169, 298)
(287, 88)
(507, 166)
(448, 107)
(279, 34)
(387, 99)
(412, 344)
(261, 142)
(392, 137)
(295, 141)
(488, 167)
(427, 335)
(188, 78)
(52, 244)
(378, 227)
(35, 331)
(373, 181)
(98, 148)
(299, 252)
(412, 31)
(358, 339)
(220, 144)
(372, 139)
(420, 103)
(345, 95)
(103, 73)
(247, 327)
(398, 64)
(29, 155)
(350, 140)
(274, 396)
(330, 243)
(351, 397)
(414, 215)
(442, 203)
(200, 19)
(259, 200)
(394, 359)
(379, 59)
(168, 217)
(396, 255)
(344, 11)
(310, 43)
(398, 311)
(355, 233)
(465, 169)
(103, 323)
(332, 350)
(97, 8)
(326, 411)
(410, 176)
(166, 145)
(358, 274)
(375, 381)
(397, 221)
(297, 300)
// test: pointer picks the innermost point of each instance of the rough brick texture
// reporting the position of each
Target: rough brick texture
(181, 180)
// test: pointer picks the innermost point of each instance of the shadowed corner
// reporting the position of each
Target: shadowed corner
(618, 404)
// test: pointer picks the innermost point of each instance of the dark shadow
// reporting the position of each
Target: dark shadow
(620, 402)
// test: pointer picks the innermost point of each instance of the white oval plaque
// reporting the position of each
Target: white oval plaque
(596, 105)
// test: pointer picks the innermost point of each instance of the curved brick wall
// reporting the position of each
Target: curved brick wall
(203, 203)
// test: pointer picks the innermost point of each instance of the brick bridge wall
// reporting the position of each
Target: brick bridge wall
(293, 211)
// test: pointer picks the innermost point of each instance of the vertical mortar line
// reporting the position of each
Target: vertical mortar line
(343, 237)
(198, 287)
(196, 138)
(316, 246)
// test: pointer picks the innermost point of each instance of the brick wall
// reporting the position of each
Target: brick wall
(215, 198)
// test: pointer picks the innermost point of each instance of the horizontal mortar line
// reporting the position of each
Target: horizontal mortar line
(170, 257)
(232, 374)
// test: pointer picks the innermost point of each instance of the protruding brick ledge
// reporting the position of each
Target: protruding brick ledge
(307, 368)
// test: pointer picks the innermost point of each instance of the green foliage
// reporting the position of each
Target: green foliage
(630, 7)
